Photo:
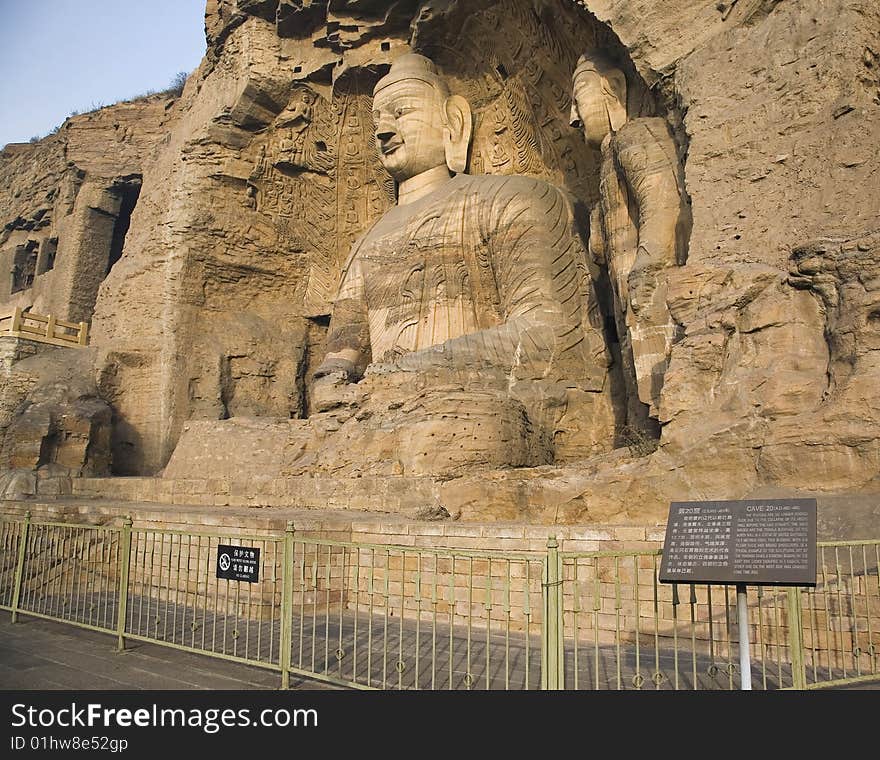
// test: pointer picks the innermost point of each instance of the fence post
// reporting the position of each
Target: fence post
(796, 638)
(50, 327)
(19, 565)
(125, 538)
(83, 333)
(16, 320)
(286, 606)
(552, 644)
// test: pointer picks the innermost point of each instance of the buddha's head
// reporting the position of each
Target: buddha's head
(419, 125)
(598, 104)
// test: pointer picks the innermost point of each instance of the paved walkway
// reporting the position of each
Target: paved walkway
(42, 654)
(45, 655)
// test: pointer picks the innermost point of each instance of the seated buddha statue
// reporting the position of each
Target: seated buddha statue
(466, 329)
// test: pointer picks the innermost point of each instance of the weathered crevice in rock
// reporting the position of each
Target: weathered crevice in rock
(296, 18)
(757, 10)
(128, 189)
(351, 23)
(120, 381)
(222, 18)
(95, 223)
(844, 277)
(626, 430)
(315, 350)
(48, 252)
(24, 266)
(227, 386)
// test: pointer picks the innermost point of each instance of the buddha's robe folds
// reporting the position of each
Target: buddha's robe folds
(640, 229)
(485, 273)
(484, 282)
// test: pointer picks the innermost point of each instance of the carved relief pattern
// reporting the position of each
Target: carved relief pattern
(364, 190)
(520, 94)
(318, 180)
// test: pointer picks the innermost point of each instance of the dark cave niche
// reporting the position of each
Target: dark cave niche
(24, 266)
(128, 192)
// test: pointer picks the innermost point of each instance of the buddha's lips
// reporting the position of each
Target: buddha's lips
(389, 148)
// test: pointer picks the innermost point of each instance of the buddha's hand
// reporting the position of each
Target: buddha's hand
(392, 362)
(381, 368)
(643, 280)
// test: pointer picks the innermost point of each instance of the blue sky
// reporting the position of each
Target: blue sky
(59, 56)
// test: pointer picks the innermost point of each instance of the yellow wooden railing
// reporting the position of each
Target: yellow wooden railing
(44, 329)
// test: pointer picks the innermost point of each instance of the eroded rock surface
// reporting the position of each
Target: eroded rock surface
(255, 185)
(53, 424)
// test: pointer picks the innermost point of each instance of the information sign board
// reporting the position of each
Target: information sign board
(756, 542)
(238, 563)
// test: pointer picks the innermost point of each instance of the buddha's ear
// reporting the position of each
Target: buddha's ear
(457, 130)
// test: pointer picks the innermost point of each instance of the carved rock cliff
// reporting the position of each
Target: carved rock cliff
(242, 200)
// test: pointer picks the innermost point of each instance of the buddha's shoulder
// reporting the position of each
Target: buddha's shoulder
(643, 131)
(507, 186)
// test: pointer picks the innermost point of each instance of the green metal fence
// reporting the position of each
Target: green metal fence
(840, 618)
(622, 629)
(11, 546)
(65, 572)
(380, 616)
(174, 599)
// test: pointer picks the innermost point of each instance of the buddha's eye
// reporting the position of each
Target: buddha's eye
(401, 111)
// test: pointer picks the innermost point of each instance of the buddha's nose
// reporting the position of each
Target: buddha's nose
(385, 130)
(574, 118)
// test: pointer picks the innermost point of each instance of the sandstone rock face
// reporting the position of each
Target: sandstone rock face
(255, 185)
(66, 204)
(53, 424)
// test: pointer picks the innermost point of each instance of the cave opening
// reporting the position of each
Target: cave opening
(49, 448)
(128, 192)
(48, 252)
(24, 266)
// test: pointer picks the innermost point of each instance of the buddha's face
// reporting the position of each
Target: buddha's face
(598, 104)
(408, 115)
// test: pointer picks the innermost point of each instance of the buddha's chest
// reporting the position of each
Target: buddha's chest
(425, 281)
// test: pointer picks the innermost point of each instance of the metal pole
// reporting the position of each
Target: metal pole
(552, 677)
(286, 606)
(19, 565)
(742, 617)
(125, 538)
(796, 639)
